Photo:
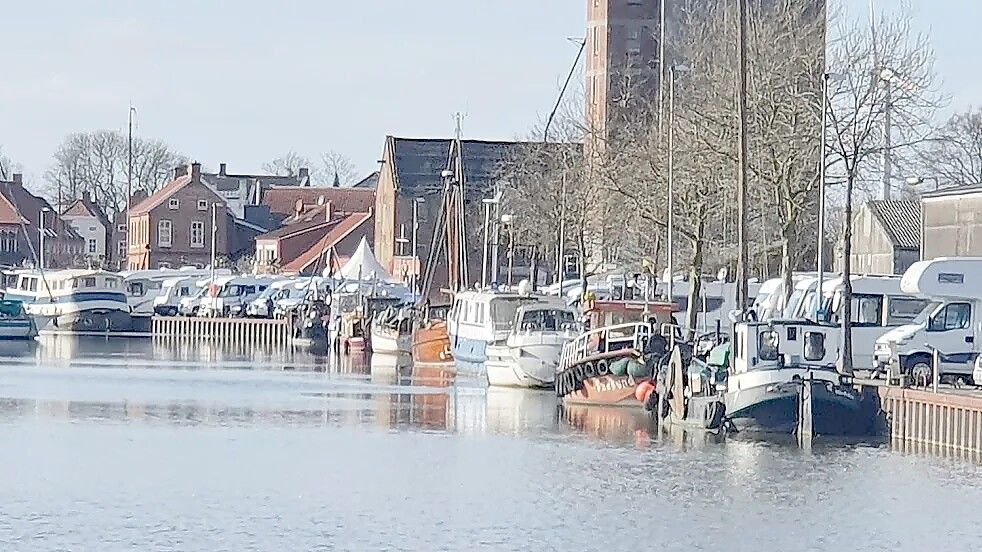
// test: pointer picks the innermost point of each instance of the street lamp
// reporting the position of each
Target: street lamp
(42, 236)
(488, 202)
(508, 220)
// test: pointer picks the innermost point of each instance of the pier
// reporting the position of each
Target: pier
(252, 331)
(944, 421)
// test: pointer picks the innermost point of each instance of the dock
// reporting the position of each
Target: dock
(251, 331)
(946, 421)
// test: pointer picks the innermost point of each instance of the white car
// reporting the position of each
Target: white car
(977, 372)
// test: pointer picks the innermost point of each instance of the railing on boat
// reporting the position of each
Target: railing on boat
(605, 340)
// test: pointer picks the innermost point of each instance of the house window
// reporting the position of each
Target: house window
(120, 227)
(121, 248)
(174, 204)
(164, 237)
(92, 245)
(202, 205)
(197, 234)
(8, 242)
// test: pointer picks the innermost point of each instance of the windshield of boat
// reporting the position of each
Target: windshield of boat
(548, 320)
(503, 311)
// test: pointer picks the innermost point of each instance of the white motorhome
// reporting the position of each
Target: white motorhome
(173, 290)
(952, 324)
(879, 303)
(228, 296)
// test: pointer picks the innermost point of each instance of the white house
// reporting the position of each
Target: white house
(91, 223)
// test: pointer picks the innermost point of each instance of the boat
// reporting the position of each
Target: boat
(431, 342)
(392, 331)
(529, 354)
(480, 318)
(15, 324)
(782, 380)
(74, 299)
(606, 364)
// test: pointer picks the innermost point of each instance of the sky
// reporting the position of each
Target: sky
(245, 81)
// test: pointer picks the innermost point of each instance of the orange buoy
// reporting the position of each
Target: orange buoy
(644, 390)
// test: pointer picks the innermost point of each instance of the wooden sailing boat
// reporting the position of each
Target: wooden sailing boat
(431, 342)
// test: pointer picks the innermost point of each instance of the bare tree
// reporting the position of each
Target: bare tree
(339, 169)
(7, 165)
(891, 72)
(97, 162)
(288, 164)
(954, 156)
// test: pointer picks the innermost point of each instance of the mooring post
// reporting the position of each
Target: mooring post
(805, 418)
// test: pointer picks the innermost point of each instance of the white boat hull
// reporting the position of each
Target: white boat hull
(528, 361)
(390, 342)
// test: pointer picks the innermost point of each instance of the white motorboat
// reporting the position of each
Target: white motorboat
(88, 300)
(530, 354)
(392, 332)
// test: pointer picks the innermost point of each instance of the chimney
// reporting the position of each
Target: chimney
(328, 211)
(304, 176)
(86, 196)
(221, 169)
(196, 172)
(180, 171)
(18, 179)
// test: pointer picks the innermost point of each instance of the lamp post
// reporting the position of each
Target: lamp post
(670, 253)
(41, 237)
(508, 220)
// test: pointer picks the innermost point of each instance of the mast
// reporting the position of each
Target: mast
(742, 272)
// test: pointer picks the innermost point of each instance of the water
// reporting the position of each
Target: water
(130, 446)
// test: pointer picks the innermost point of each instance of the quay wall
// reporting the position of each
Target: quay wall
(943, 422)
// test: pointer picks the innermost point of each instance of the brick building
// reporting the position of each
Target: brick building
(21, 215)
(173, 227)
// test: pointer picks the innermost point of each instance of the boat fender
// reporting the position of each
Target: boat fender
(643, 391)
(651, 403)
(714, 415)
(603, 368)
(589, 371)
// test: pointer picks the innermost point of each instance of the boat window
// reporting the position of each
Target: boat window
(551, 320)
(954, 316)
(814, 346)
(32, 284)
(135, 289)
(503, 311)
(867, 310)
(767, 345)
(111, 283)
(904, 310)
(88, 282)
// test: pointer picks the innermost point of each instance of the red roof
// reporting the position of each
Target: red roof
(283, 199)
(8, 215)
(331, 239)
(160, 196)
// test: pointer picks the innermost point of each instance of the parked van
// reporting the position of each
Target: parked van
(228, 296)
(952, 323)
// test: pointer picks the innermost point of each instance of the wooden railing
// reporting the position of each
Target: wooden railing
(259, 332)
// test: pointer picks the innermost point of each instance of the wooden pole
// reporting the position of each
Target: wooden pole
(742, 272)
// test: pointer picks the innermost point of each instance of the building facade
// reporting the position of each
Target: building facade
(952, 222)
(886, 237)
(173, 227)
(24, 218)
(95, 229)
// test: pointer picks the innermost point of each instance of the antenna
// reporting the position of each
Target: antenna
(459, 124)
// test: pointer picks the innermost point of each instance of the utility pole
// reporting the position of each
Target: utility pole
(821, 199)
(670, 253)
(742, 274)
(661, 69)
(214, 238)
(129, 162)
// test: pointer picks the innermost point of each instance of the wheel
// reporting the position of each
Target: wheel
(919, 369)
(172, 311)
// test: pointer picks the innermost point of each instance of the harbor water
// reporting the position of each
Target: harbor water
(133, 445)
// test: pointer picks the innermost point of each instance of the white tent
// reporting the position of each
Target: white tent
(363, 265)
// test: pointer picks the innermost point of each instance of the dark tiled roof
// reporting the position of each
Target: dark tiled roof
(370, 181)
(901, 219)
(419, 162)
(283, 200)
(230, 182)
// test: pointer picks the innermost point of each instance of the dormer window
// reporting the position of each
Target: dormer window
(174, 204)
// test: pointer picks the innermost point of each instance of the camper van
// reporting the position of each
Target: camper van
(168, 300)
(951, 324)
(228, 296)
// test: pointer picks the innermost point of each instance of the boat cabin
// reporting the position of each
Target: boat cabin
(784, 343)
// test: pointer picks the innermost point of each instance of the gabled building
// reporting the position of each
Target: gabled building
(94, 227)
(243, 190)
(886, 237)
(24, 217)
(410, 180)
(173, 227)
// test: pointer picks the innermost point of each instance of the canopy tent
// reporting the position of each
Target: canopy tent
(364, 266)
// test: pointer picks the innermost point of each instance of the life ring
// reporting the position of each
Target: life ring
(603, 367)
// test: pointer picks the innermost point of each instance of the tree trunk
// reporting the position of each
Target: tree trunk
(695, 278)
(581, 245)
(787, 236)
(845, 362)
